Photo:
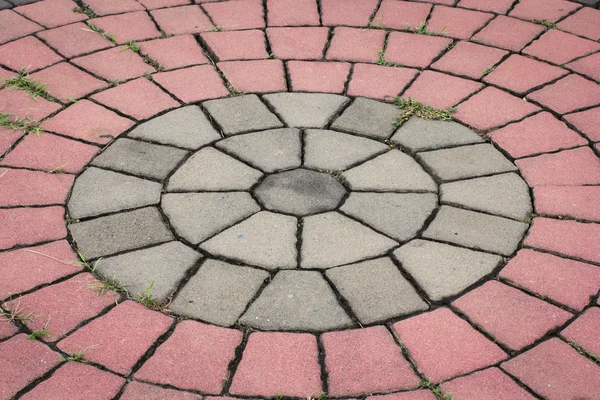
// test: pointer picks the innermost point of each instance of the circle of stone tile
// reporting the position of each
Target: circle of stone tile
(317, 215)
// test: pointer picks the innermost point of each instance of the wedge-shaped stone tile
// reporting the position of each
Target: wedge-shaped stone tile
(419, 134)
(466, 162)
(506, 195)
(140, 158)
(443, 270)
(390, 172)
(300, 192)
(336, 151)
(159, 269)
(269, 151)
(306, 110)
(265, 239)
(369, 118)
(98, 191)
(296, 300)
(376, 290)
(331, 239)
(209, 169)
(242, 114)
(120, 232)
(185, 127)
(198, 216)
(219, 292)
(476, 230)
(399, 215)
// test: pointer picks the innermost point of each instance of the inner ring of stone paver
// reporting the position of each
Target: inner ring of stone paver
(309, 219)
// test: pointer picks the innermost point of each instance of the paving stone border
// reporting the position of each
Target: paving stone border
(317, 215)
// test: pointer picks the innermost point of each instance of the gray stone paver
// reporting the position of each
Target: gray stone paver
(185, 127)
(336, 151)
(306, 110)
(331, 239)
(476, 230)
(140, 158)
(265, 239)
(466, 162)
(198, 216)
(296, 300)
(443, 270)
(97, 191)
(300, 192)
(269, 151)
(219, 292)
(506, 195)
(389, 172)
(399, 215)
(161, 267)
(376, 290)
(211, 170)
(368, 117)
(242, 114)
(120, 232)
(419, 134)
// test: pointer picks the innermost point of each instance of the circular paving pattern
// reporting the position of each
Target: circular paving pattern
(315, 224)
(380, 284)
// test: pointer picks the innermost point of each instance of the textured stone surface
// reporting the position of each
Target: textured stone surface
(210, 169)
(506, 195)
(269, 151)
(98, 191)
(198, 216)
(399, 215)
(185, 127)
(242, 114)
(306, 110)
(156, 269)
(336, 151)
(265, 239)
(279, 364)
(443, 270)
(418, 134)
(381, 174)
(466, 162)
(119, 232)
(367, 117)
(477, 230)
(219, 292)
(484, 385)
(300, 192)
(331, 239)
(376, 290)
(296, 300)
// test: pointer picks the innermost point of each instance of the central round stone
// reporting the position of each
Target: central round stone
(300, 192)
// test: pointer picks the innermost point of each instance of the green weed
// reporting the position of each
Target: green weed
(410, 107)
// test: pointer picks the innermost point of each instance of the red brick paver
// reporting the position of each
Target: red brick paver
(51, 13)
(67, 83)
(560, 47)
(195, 357)
(33, 188)
(88, 121)
(509, 315)
(278, 363)
(130, 26)
(21, 361)
(118, 339)
(107, 7)
(583, 330)
(457, 22)
(441, 90)
(587, 122)
(509, 33)
(364, 361)
(77, 381)
(587, 66)
(556, 371)
(574, 201)
(236, 14)
(174, 52)
(469, 59)
(20, 104)
(379, 82)
(139, 99)
(181, 20)
(443, 345)
(483, 385)
(193, 84)
(550, 10)
(401, 15)
(28, 53)
(255, 76)
(144, 391)
(307, 43)
(292, 12)
(347, 12)
(318, 76)
(26, 226)
(74, 40)
(13, 26)
(568, 94)
(571, 238)
(583, 23)
(116, 64)
(236, 45)
(353, 44)
(568, 282)
(414, 50)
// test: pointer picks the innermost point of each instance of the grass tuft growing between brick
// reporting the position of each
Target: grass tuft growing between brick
(437, 391)
(411, 107)
(545, 22)
(84, 9)
(25, 124)
(100, 31)
(24, 82)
